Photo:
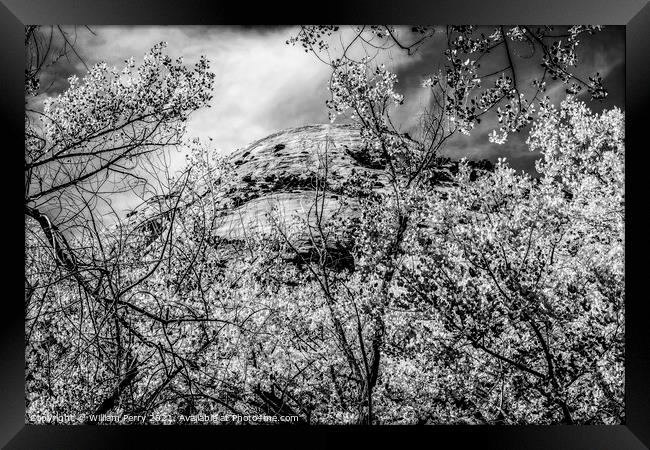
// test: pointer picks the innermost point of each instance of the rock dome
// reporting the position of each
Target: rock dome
(282, 175)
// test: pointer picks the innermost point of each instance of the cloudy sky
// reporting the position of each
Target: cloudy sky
(263, 85)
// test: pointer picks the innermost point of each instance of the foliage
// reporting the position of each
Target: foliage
(476, 294)
(528, 273)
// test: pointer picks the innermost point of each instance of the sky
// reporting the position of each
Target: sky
(263, 85)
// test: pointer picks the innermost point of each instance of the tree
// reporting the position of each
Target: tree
(388, 268)
(528, 273)
(99, 137)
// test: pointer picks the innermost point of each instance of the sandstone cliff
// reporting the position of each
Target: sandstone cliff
(282, 174)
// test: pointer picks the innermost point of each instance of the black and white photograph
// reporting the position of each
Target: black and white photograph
(324, 225)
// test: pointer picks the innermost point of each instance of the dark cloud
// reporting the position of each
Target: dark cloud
(602, 52)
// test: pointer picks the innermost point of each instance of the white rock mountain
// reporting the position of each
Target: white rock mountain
(281, 176)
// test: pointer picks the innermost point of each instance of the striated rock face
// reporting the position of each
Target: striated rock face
(284, 172)
(282, 175)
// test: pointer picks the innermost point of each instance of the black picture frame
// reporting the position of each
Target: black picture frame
(633, 14)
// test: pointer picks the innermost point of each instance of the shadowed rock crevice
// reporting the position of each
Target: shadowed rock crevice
(364, 159)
